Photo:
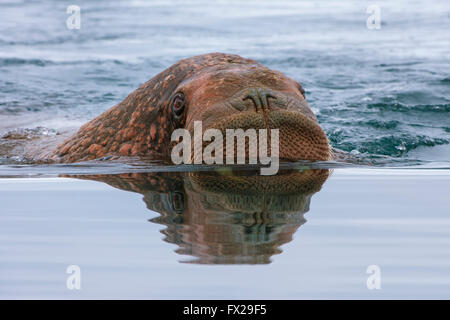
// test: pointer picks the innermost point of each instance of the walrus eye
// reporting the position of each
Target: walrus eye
(178, 104)
(300, 88)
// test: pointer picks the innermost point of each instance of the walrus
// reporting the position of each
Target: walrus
(221, 90)
(217, 218)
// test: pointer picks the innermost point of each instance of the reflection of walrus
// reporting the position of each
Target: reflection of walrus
(225, 218)
(223, 91)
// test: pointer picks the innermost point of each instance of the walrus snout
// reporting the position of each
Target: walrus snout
(300, 136)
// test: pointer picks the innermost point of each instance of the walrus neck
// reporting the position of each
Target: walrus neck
(135, 127)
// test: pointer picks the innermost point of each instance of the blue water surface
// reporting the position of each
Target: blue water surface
(381, 95)
(382, 91)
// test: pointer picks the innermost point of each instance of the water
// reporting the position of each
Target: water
(133, 245)
(380, 92)
(382, 95)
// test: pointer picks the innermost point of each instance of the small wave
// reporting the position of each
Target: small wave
(400, 107)
(20, 133)
(398, 64)
(379, 124)
(393, 146)
(14, 160)
(7, 62)
(12, 62)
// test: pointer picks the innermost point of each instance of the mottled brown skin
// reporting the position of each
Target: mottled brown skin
(217, 87)
(232, 218)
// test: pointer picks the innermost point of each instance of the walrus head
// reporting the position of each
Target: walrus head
(251, 96)
(221, 90)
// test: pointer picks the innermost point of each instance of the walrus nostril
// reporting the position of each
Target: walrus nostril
(253, 95)
(264, 96)
(260, 98)
(237, 105)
